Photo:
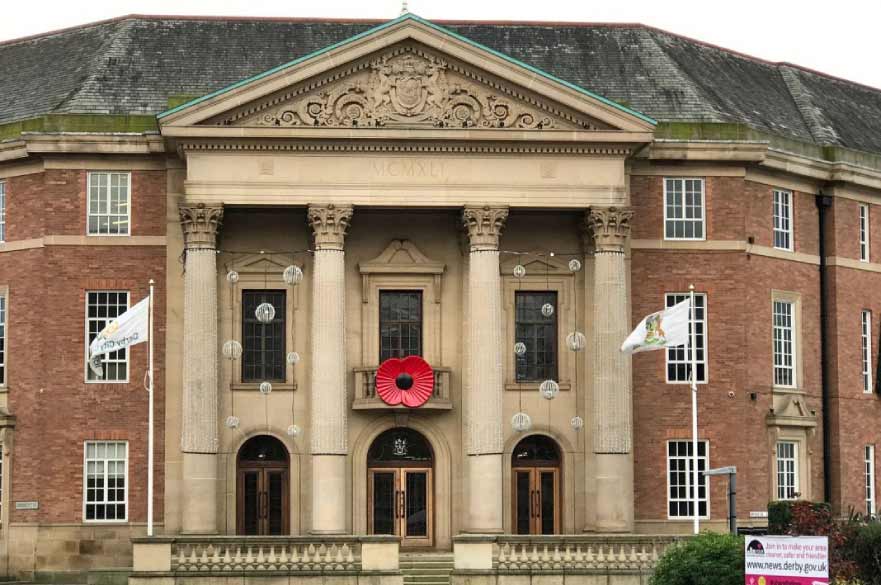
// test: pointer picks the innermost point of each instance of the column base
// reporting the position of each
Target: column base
(329, 494)
(485, 494)
(615, 496)
(199, 504)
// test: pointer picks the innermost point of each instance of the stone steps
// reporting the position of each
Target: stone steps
(426, 568)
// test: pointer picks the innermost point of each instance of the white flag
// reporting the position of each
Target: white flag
(667, 328)
(130, 328)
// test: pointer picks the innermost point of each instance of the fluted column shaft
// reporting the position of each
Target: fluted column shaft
(328, 401)
(483, 433)
(200, 415)
(612, 392)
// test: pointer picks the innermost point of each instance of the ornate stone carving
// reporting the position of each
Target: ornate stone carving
(409, 87)
(610, 227)
(200, 224)
(484, 226)
(330, 224)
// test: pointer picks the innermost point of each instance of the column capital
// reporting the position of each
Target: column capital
(200, 224)
(484, 225)
(610, 227)
(329, 225)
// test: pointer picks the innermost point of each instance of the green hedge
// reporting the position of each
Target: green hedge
(707, 559)
(865, 550)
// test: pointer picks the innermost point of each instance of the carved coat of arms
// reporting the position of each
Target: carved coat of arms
(407, 87)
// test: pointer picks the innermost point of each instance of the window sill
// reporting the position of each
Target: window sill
(255, 386)
(105, 522)
(564, 386)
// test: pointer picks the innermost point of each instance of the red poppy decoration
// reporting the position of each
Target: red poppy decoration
(408, 381)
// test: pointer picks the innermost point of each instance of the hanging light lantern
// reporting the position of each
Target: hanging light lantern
(521, 422)
(547, 309)
(232, 350)
(520, 349)
(519, 271)
(574, 265)
(576, 341)
(293, 358)
(549, 389)
(294, 431)
(232, 422)
(232, 277)
(265, 313)
(577, 423)
(293, 274)
(265, 388)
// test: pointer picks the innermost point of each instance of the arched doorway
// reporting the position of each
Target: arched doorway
(535, 471)
(262, 487)
(400, 495)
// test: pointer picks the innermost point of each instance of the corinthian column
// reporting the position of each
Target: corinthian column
(199, 422)
(612, 398)
(328, 401)
(483, 433)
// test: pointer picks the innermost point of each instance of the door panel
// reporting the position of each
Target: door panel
(262, 506)
(383, 502)
(249, 501)
(416, 510)
(535, 500)
(275, 502)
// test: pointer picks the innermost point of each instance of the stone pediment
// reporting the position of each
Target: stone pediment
(401, 257)
(536, 265)
(407, 85)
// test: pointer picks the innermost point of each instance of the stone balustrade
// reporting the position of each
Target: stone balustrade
(367, 399)
(185, 558)
(496, 559)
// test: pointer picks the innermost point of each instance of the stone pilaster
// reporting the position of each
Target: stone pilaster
(484, 413)
(612, 393)
(199, 422)
(328, 401)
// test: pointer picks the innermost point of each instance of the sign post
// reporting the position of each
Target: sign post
(731, 472)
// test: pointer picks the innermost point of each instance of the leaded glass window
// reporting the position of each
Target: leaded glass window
(400, 324)
(539, 333)
(263, 344)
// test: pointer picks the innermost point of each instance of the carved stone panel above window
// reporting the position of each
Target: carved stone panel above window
(407, 85)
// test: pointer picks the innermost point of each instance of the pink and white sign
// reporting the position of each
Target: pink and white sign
(787, 560)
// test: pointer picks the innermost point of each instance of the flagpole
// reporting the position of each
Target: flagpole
(150, 423)
(694, 461)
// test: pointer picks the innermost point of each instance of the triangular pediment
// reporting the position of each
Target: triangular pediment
(407, 74)
(400, 257)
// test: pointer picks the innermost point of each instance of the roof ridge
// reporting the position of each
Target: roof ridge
(821, 131)
(441, 22)
(95, 67)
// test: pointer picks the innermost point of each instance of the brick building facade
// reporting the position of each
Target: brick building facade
(249, 180)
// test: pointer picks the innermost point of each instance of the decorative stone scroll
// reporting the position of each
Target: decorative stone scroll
(610, 227)
(330, 224)
(484, 226)
(200, 224)
(410, 87)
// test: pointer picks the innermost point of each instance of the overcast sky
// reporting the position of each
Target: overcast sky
(841, 38)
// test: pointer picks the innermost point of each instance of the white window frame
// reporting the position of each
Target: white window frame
(4, 349)
(2, 211)
(702, 459)
(871, 505)
(786, 467)
(675, 298)
(782, 220)
(90, 212)
(780, 365)
(105, 502)
(866, 349)
(864, 232)
(127, 359)
(702, 222)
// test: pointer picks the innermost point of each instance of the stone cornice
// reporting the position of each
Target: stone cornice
(484, 225)
(610, 227)
(200, 224)
(329, 225)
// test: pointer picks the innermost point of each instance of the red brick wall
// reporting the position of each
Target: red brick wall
(56, 411)
(739, 288)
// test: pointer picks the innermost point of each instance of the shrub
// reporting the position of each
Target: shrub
(865, 551)
(816, 519)
(707, 559)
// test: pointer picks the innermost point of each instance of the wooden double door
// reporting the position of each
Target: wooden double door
(400, 502)
(536, 500)
(262, 488)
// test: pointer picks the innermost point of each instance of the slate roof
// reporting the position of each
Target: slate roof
(133, 64)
